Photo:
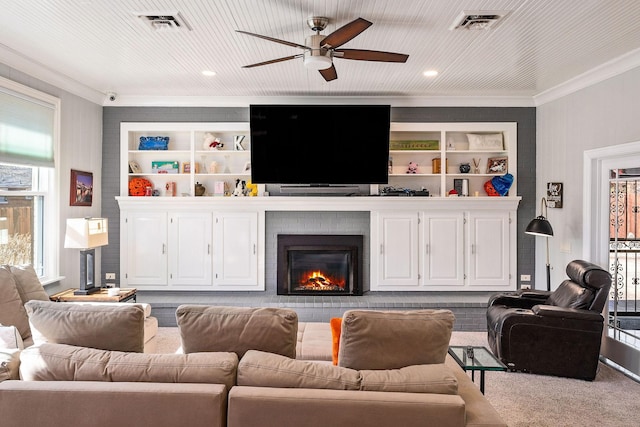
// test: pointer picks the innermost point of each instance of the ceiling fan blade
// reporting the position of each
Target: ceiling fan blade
(370, 55)
(274, 40)
(273, 61)
(345, 33)
(329, 73)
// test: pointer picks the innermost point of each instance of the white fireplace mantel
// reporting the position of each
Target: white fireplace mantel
(321, 203)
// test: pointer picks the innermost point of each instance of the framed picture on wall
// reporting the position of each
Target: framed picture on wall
(498, 165)
(81, 191)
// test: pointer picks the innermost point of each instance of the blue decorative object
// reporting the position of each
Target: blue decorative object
(154, 143)
(502, 183)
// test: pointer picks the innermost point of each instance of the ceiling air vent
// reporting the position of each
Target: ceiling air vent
(162, 21)
(478, 20)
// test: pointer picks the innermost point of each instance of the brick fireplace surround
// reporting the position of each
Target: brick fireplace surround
(468, 307)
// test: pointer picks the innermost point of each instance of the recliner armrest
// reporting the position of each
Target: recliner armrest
(571, 313)
(517, 299)
(533, 294)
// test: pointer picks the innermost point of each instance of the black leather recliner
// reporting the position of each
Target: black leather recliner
(552, 333)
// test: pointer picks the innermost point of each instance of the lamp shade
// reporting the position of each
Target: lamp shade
(86, 233)
(539, 227)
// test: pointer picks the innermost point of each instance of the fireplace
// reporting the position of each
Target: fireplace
(319, 264)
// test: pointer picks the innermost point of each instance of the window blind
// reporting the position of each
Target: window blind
(27, 127)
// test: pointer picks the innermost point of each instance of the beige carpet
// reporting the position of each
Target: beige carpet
(611, 400)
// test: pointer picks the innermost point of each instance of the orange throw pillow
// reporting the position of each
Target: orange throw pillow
(336, 327)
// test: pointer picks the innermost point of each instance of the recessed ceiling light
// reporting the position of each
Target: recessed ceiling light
(209, 73)
(430, 73)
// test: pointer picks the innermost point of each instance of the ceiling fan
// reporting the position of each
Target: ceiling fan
(319, 50)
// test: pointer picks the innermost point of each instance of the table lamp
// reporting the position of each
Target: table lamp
(539, 226)
(86, 234)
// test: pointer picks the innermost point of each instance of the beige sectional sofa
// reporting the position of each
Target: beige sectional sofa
(19, 284)
(247, 367)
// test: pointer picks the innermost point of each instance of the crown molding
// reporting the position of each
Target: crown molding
(245, 101)
(40, 71)
(596, 75)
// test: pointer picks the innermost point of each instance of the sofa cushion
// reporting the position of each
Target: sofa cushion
(571, 295)
(314, 340)
(29, 286)
(433, 378)
(262, 369)
(107, 327)
(237, 329)
(12, 311)
(61, 362)
(394, 339)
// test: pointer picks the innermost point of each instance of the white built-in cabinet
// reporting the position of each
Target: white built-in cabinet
(186, 250)
(144, 243)
(236, 249)
(190, 248)
(438, 250)
(419, 243)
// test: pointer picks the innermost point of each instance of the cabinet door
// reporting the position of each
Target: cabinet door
(443, 243)
(235, 242)
(489, 250)
(190, 251)
(397, 251)
(146, 251)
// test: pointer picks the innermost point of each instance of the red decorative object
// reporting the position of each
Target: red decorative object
(138, 186)
(490, 189)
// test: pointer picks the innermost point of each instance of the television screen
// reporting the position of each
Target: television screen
(319, 144)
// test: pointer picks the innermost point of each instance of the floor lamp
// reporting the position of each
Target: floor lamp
(539, 226)
(86, 234)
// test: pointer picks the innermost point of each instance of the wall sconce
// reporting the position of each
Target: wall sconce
(86, 234)
(539, 226)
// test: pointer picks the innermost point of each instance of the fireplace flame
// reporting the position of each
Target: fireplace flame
(319, 281)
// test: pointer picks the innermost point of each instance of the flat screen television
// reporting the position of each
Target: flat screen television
(319, 145)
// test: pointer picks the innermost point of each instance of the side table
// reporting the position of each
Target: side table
(476, 358)
(126, 294)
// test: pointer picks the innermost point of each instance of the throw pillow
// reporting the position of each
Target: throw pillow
(29, 286)
(394, 339)
(12, 311)
(262, 369)
(336, 327)
(107, 327)
(61, 362)
(237, 329)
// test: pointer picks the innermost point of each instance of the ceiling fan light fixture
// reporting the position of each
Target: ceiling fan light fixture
(317, 62)
(316, 58)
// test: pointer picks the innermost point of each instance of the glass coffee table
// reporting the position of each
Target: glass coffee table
(476, 358)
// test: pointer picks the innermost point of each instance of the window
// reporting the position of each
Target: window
(28, 140)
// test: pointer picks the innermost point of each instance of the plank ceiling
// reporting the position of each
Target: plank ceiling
(104, 46)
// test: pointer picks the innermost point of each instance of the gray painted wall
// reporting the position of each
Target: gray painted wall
(525, 117)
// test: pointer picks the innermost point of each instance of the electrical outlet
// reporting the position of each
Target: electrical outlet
(525, 286)
(110, 276)
(525, 277)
